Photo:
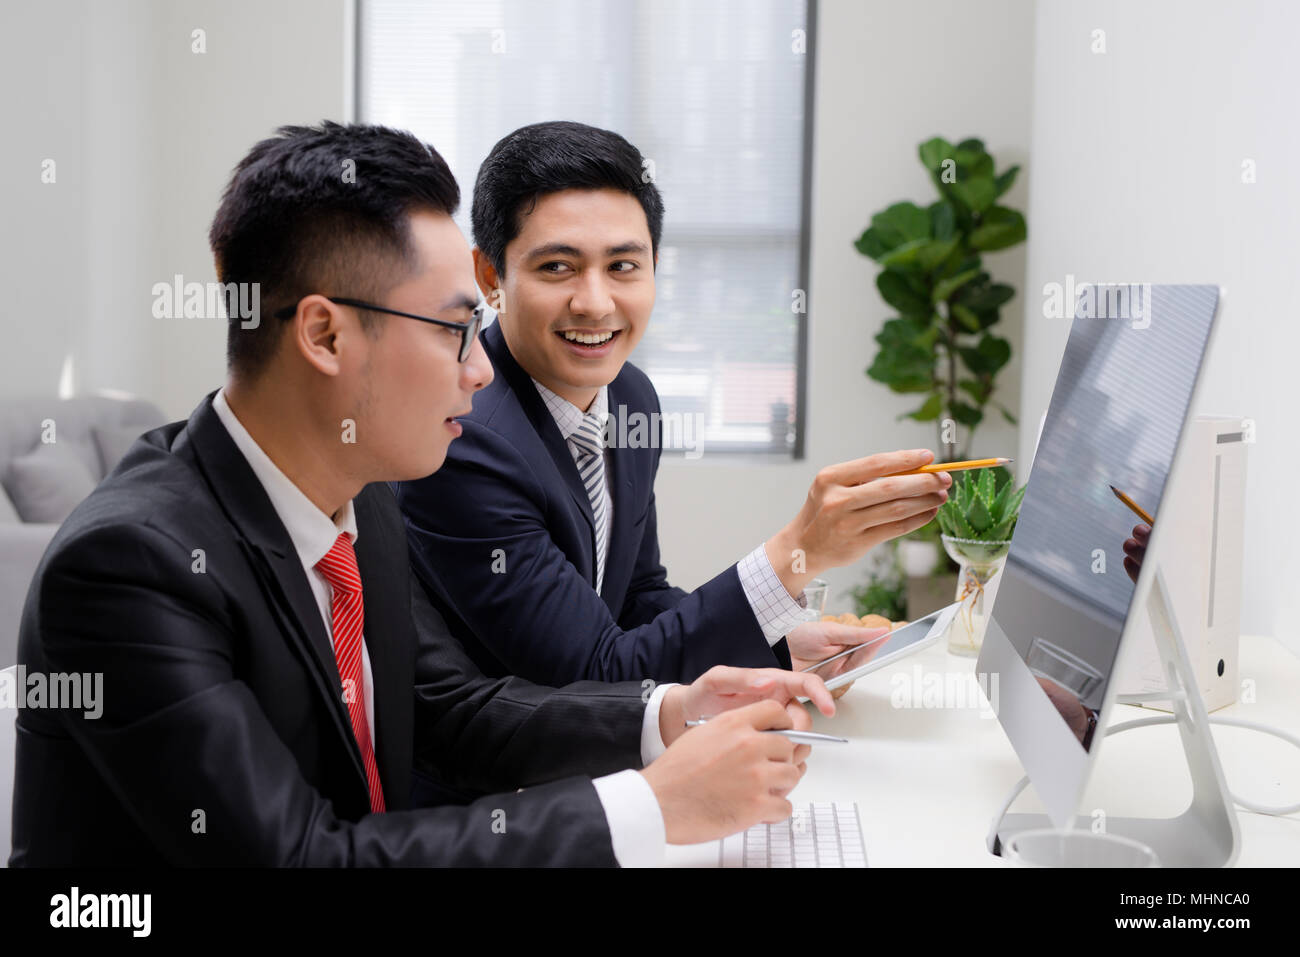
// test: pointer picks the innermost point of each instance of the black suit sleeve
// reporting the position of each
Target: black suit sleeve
(484, 734)
(179, 734)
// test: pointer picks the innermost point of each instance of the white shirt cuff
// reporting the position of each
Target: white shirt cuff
(652, 742)
(776, 611)
(636, 824)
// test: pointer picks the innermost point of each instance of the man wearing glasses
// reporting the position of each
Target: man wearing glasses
(468, 331)
(240, 580)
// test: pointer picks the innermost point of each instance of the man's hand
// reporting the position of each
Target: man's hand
(1135, 550)
(723, 688)
(815, 641)
(853, 507)
(727, 775)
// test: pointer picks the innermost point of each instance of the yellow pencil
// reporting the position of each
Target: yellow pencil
(957, 466)
(1138, 510)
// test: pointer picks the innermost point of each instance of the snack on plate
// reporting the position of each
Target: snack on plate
(866, 621)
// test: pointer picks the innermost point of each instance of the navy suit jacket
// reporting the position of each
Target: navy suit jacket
(503, 539)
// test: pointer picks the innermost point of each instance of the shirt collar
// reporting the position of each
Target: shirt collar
(312, 532)
(567, 415)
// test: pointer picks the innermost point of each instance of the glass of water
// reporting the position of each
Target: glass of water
(815, 592)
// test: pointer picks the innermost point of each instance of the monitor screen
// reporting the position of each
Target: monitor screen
(1107, 445)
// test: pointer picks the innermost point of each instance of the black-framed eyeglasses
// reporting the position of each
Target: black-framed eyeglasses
(468, 330)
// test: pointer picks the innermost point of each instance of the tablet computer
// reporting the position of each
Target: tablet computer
(853, 663)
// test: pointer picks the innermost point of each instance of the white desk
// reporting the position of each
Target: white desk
(928, 781)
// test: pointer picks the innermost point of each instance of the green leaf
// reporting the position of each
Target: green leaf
(904, 363)
(964, 265)
(999, 508)
(986, 297)
(959, 494)
(898, 292)
(933, 152)
(990, 354)
(979, 391)
(978, 515)
(1008, 416)
(985, 487)
(969, 320)
(943, 220)
(977, 195)
(1003, 182)
(973, 161)
(962, 528)
(1013, 503)
(999, 228)
(946, 287)
(1002, 530)
(901, 223)
(904, 255)
(967, 415)
(870, 244)
(935, 252)
(929, 410)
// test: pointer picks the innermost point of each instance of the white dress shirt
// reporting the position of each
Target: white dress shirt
(776, 612)
(636, 823)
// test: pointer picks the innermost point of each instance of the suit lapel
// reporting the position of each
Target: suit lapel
(542, 422)
(272, 555)
(622, 465)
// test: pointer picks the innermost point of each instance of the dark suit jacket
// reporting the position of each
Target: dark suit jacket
(224, 738)
(503, 538)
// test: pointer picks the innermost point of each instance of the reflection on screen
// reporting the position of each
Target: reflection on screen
(1116, 415)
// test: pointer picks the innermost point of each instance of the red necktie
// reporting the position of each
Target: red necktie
(339, 567)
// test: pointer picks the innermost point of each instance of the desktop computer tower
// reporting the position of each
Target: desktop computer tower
(1200, 551)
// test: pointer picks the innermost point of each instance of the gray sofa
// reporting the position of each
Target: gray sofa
(41, 480)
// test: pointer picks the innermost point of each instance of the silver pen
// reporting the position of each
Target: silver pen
(801, 737)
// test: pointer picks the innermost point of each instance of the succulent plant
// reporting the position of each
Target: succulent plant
(980, 507)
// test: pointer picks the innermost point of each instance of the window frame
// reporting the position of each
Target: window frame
(798, 447)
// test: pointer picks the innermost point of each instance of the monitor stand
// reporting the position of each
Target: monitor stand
(1206, 834)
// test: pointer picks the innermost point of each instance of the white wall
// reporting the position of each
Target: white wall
(144, 132)
(1138, 157)
(889, 76)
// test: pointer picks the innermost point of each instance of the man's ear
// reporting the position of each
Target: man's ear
(317, 331)
(485, 274)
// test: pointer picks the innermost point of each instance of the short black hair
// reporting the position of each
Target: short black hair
(322, 209)
(547, 158)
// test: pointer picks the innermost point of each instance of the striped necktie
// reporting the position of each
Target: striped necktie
(590, 440)
(339, 566)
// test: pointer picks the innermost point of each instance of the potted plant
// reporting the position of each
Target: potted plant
(942, 343)
(977, 523)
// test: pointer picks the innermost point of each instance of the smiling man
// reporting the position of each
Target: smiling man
(538, 541)
(240, 580)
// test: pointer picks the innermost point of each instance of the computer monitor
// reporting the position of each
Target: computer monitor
(1067, 598)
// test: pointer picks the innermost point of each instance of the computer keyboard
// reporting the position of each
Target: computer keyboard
(817, 835)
